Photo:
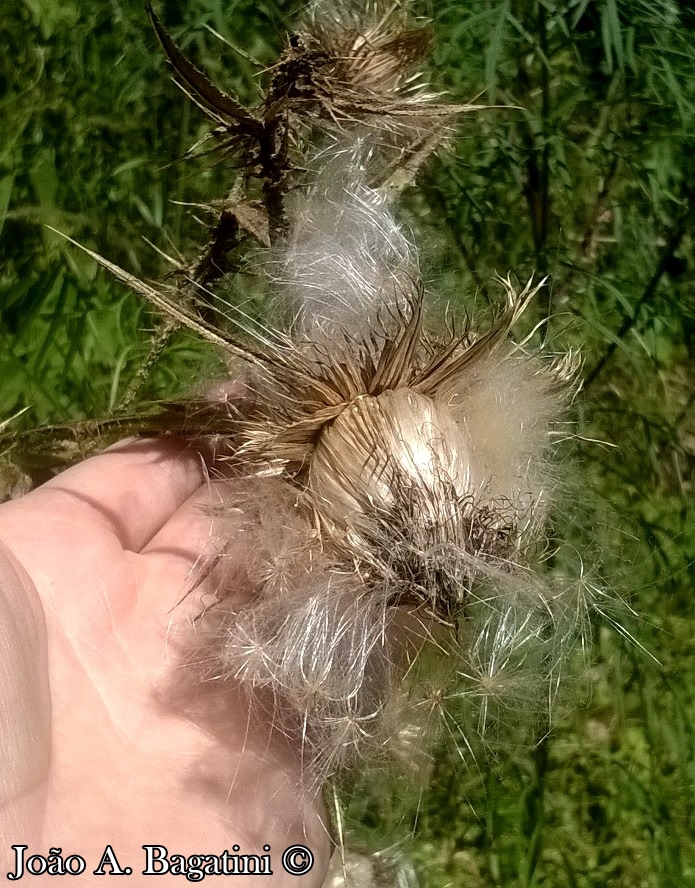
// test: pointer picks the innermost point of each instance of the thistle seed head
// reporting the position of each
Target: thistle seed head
(393, 482)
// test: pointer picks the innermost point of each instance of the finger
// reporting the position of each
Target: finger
(189, 530)
(130, 491)
(183, 552)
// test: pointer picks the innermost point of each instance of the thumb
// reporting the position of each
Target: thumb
(25, 709)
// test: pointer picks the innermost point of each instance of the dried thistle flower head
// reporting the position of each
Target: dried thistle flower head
(398, 485)
(346, 70)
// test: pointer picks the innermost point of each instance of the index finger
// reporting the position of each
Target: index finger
(130, 491)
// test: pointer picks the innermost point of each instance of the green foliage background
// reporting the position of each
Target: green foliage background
(584, 172)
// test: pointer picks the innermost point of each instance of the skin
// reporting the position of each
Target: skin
(111, 732)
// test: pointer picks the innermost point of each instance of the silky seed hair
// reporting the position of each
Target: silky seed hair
(394, 478)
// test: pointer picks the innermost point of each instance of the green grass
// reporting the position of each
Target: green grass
(585, 175)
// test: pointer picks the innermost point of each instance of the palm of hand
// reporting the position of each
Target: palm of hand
(112, 741)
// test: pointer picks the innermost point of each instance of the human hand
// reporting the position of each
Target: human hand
(108, 738)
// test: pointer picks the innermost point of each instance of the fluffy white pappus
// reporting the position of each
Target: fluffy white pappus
(313, 640)
(346, 260)
(514, 645)
(506, 407)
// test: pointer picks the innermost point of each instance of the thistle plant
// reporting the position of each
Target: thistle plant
(399, 475)
(584, 164)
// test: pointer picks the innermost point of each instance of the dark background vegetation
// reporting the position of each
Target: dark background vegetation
(584, 172)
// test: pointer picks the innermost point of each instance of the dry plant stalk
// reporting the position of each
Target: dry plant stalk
(397, 480)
